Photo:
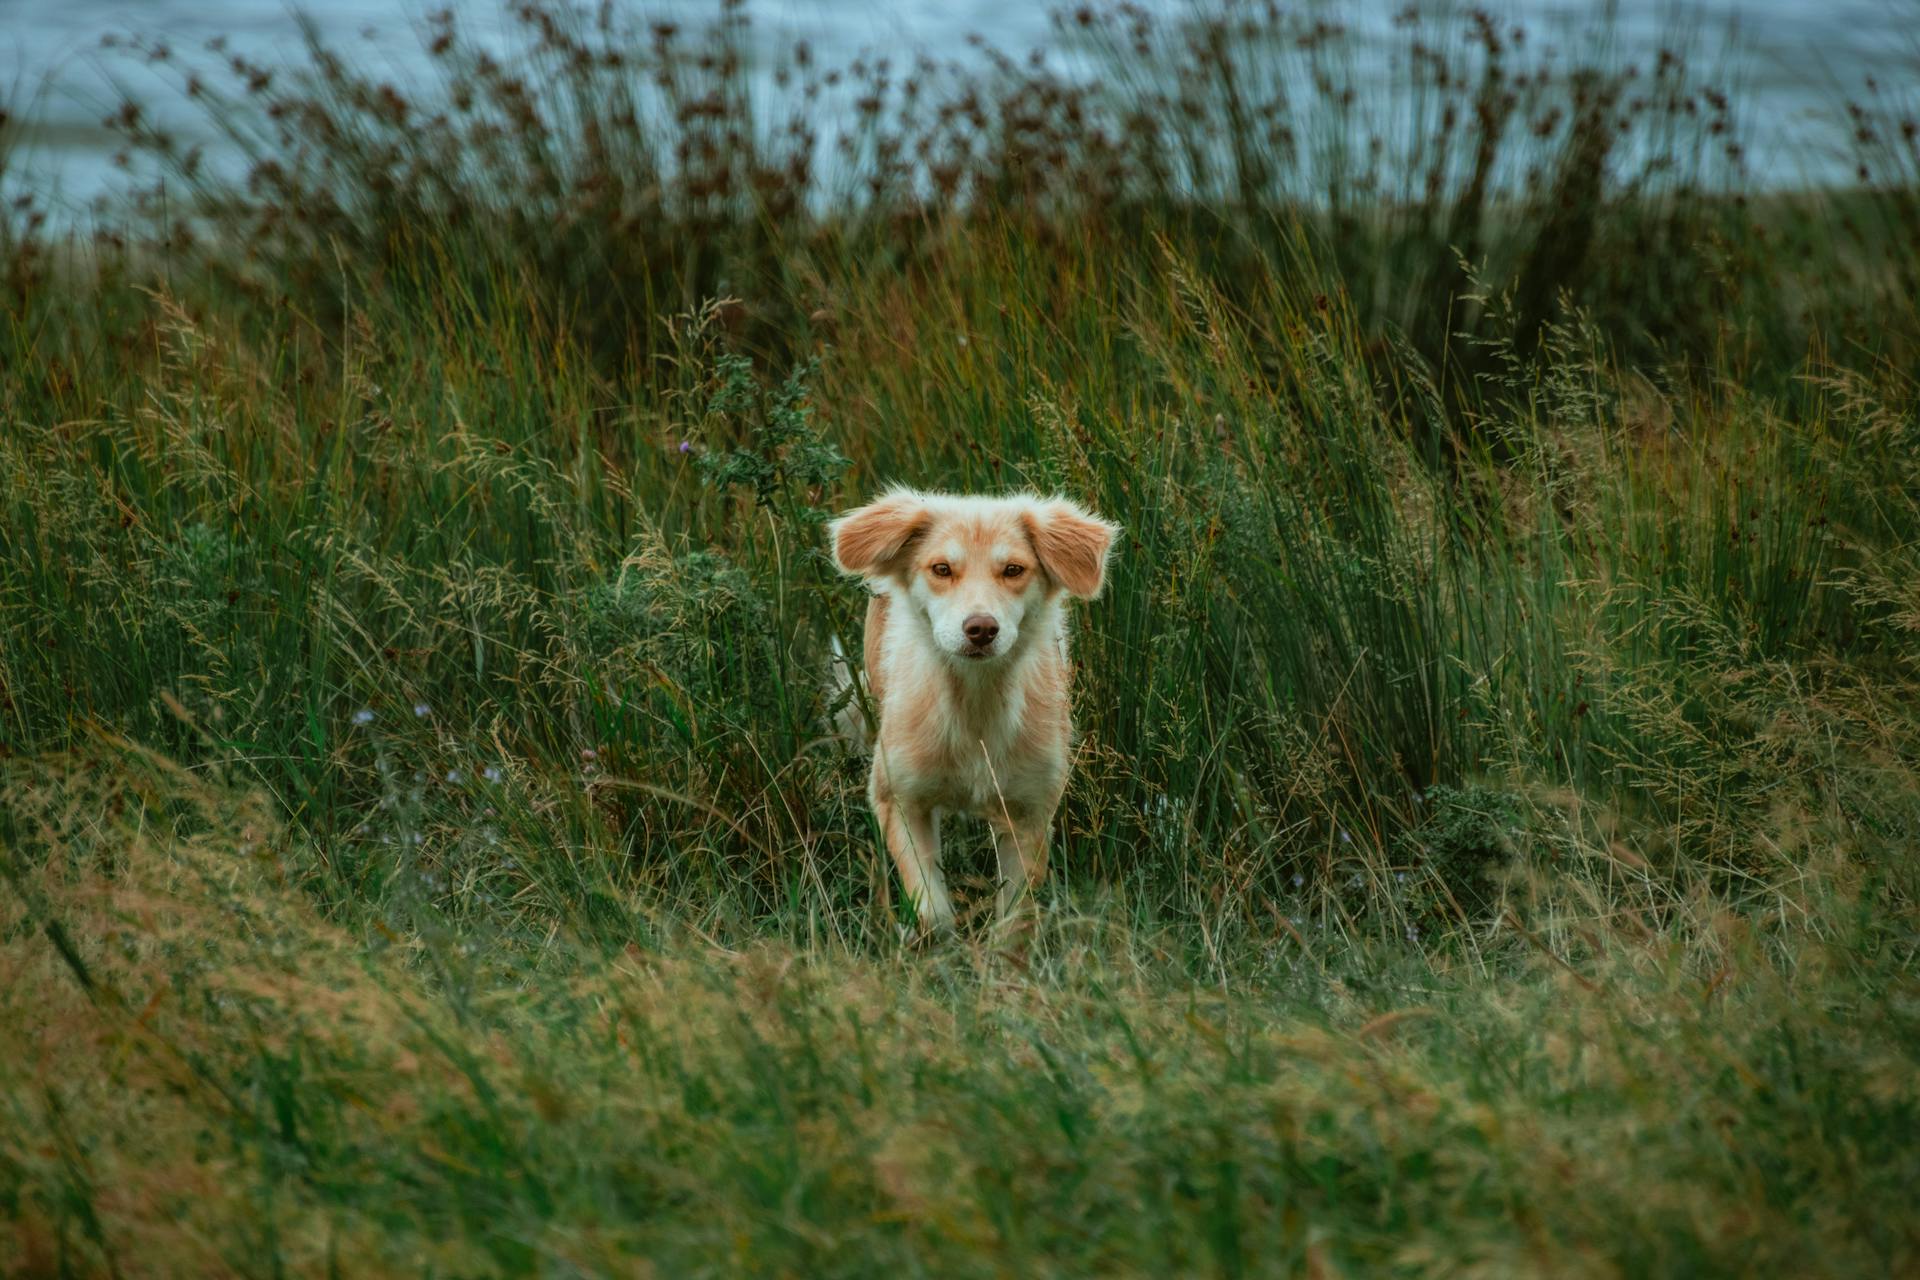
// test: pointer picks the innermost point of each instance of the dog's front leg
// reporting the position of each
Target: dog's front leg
(1020, 842)
(913, 838)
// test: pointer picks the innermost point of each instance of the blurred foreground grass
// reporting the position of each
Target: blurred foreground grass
(206, 1075)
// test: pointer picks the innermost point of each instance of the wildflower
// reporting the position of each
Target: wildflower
(1298, 879)
(453, 775)
(1401, 876)
(363, 716)
(686, 446)
(1413, 933)
(588, 753)
(490, 773)
(1345, 838)
(421, 711)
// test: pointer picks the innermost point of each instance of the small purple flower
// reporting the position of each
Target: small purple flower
(1298, 879)
(363, 716)
(1345, 838)
(686, 446)
(421, 711)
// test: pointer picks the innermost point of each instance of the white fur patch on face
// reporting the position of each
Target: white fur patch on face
(977, 596)
(979, 540)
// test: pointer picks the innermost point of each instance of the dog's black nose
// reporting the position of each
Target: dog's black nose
(980, 629)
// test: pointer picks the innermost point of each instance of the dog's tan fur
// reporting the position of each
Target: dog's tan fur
(967, 728)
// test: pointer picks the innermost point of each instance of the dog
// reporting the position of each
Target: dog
(966, 660)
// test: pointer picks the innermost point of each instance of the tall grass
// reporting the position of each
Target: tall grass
(1491, 837)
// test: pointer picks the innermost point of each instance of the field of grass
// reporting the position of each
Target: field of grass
(1492, 848)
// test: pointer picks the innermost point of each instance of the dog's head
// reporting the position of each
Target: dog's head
(975, 568)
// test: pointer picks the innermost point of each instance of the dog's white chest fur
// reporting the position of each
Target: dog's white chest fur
(960, 733)
(980, 768)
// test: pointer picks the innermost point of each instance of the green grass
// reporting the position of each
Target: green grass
(1491, 846)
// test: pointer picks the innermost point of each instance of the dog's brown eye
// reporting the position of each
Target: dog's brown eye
(1013, 570)
(943, 570)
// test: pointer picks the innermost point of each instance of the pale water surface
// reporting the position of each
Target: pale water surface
(1793, 62)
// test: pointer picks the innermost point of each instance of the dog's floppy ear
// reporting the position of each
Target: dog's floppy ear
(869, 540)
(1071, 544)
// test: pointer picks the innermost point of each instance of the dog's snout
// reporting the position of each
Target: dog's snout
(980, 629)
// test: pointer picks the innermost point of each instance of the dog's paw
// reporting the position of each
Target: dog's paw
(1012, 935)
(927, 935)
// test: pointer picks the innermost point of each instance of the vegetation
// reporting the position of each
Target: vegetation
(426, 848)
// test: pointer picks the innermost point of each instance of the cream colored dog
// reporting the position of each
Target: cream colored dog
(966, 659)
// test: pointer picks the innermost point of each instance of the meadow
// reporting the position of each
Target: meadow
(425, 848)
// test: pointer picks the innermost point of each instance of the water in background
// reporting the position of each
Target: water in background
(1792, 63)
